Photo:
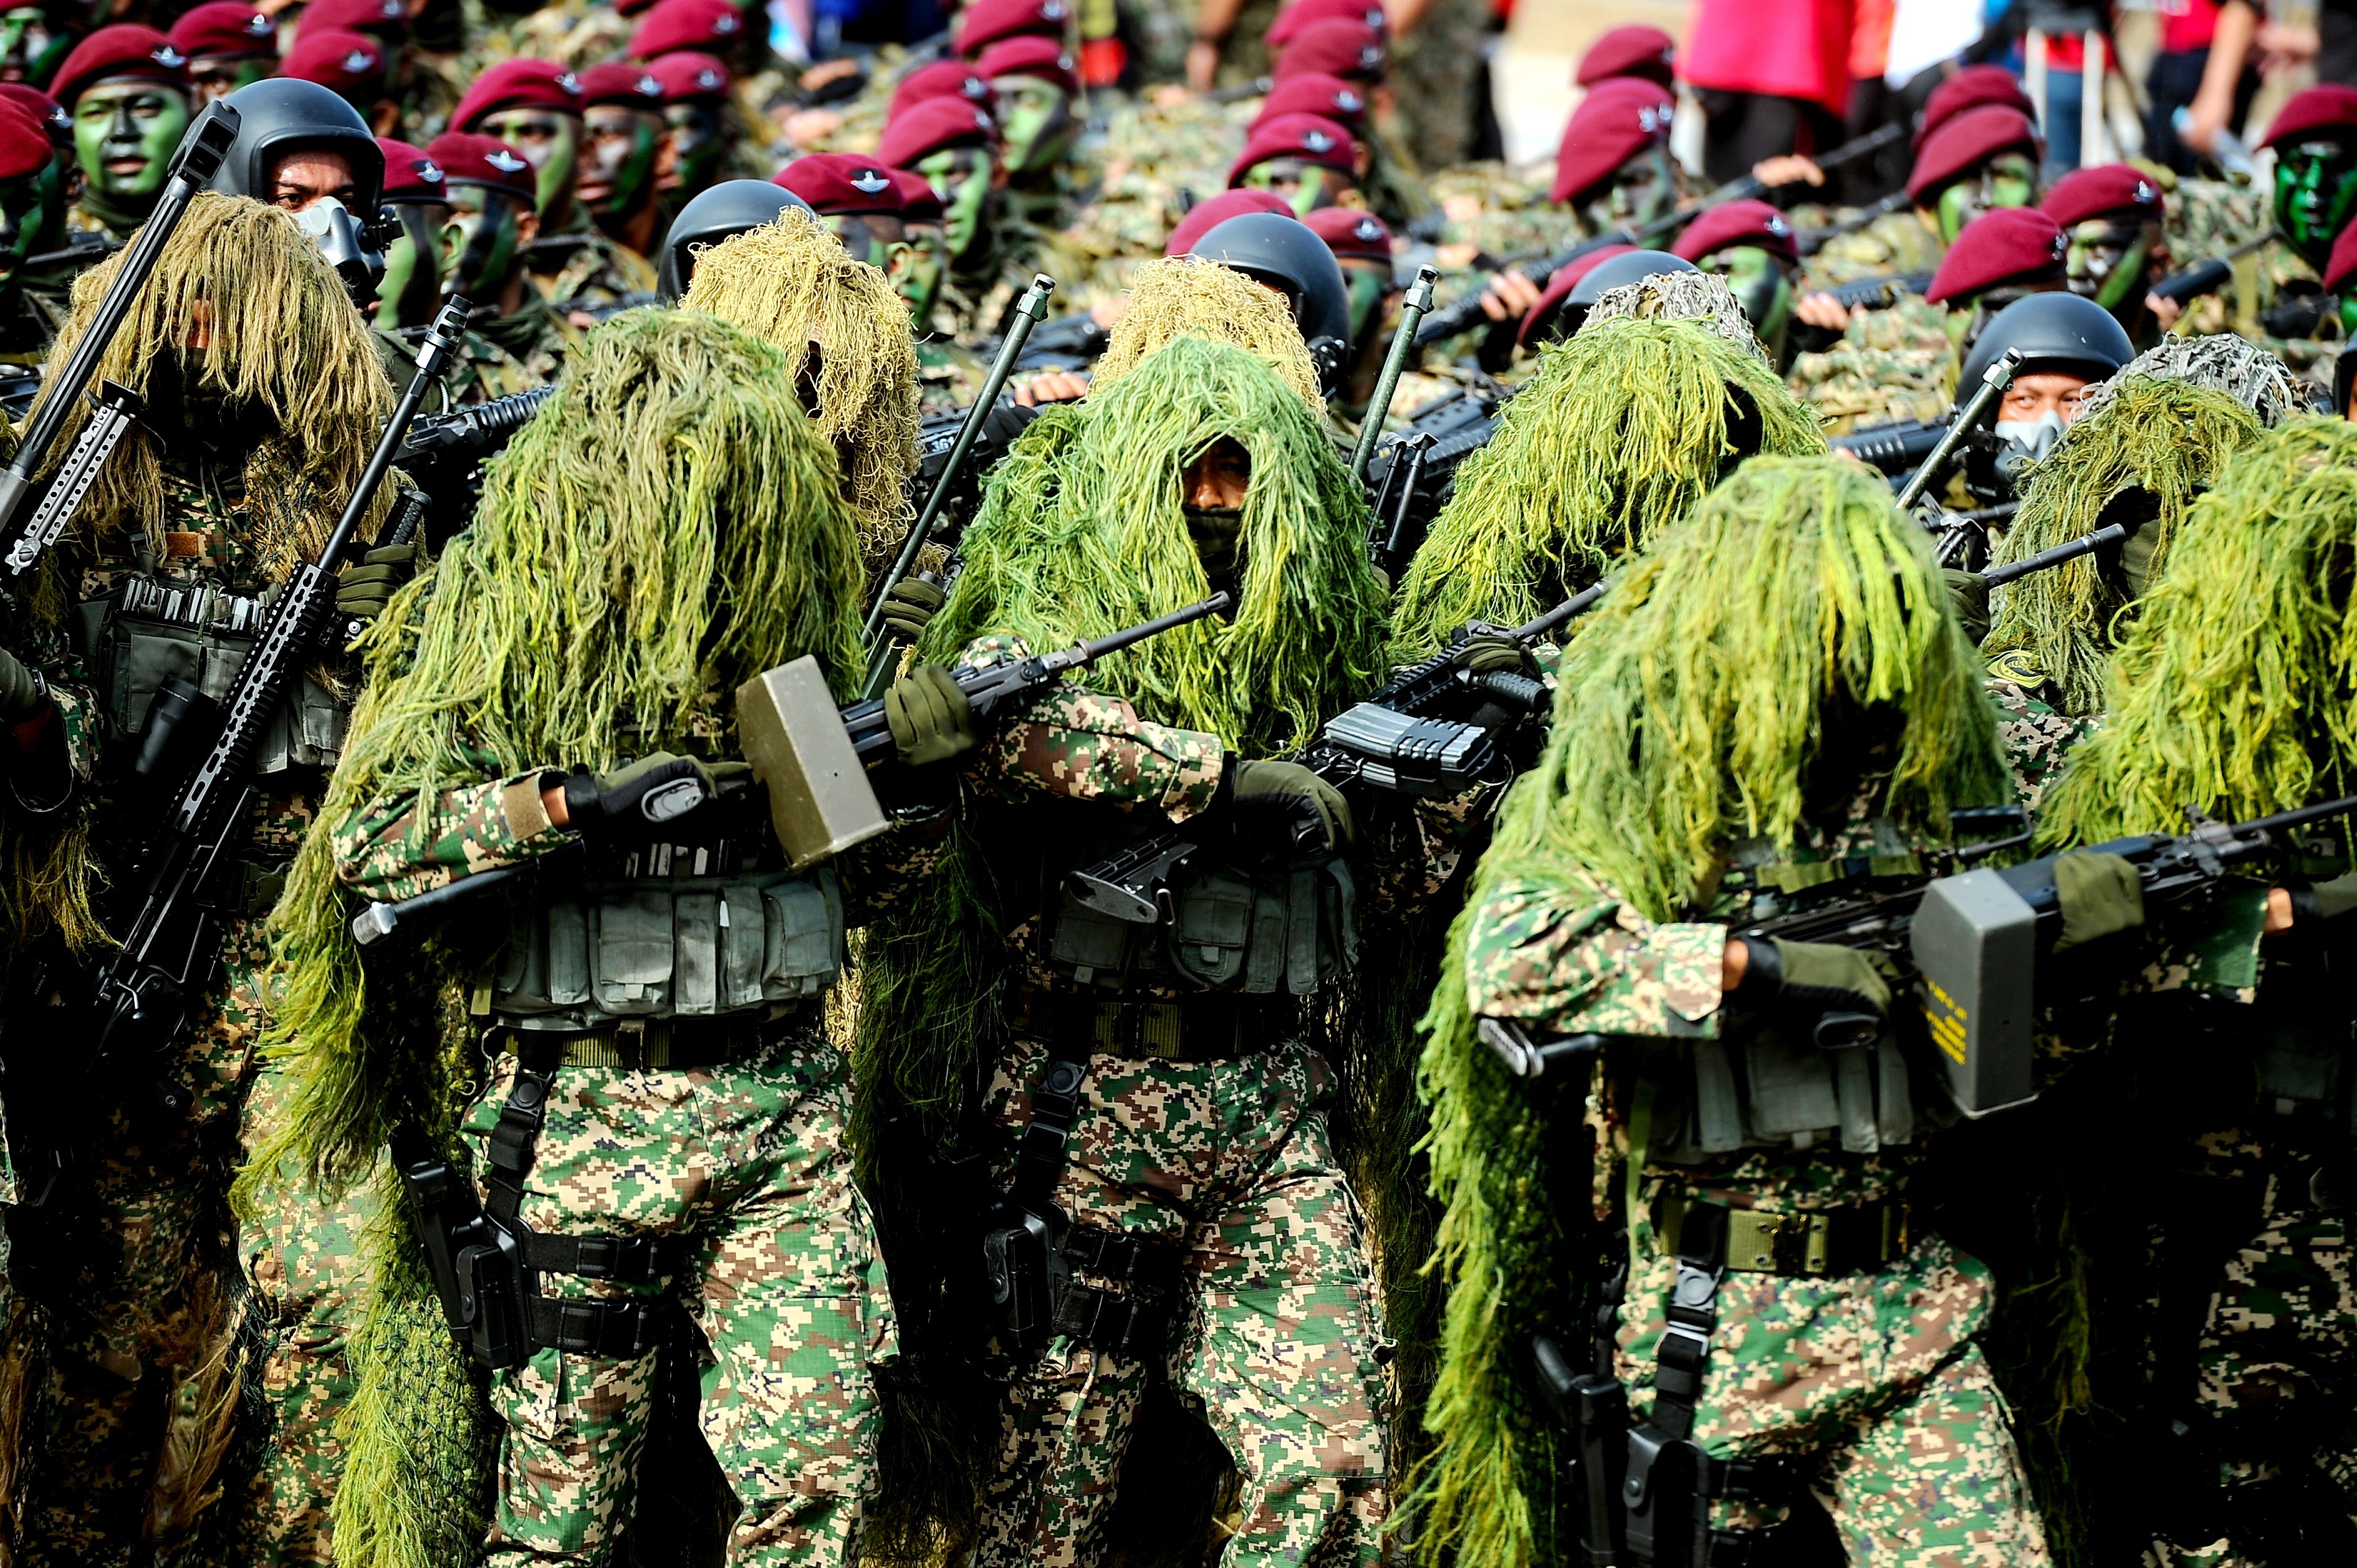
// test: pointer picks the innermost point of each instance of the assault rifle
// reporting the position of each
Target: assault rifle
(1410, 492)
(812, 757)
(1416, 735)
(1811, 241)
(445, 452)
(140, 994)
(1896, 448)
(1877, 293)
(1072, 342)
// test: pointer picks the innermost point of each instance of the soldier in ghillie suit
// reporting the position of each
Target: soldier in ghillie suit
(263, 399)
(672, 525)
(1184, 296)
(1616, 434)
(1773, 697)
(845, 333)
(2229, 1102)
(1199, 1194)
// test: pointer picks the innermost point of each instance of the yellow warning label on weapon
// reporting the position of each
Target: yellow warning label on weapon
(1945, 1017)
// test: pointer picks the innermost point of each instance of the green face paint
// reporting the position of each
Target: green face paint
(2009, 179)
(1036, 119)
(1761, 286)
(550, 142)
(480, 242)
(917, 271)
(961, 177)
(2107, 260)
(52, 183)
(124, 133)
(21, 219)
(2316, 192)
(410, 288)
(1638, 191)
(696, 146)
(29, 50)
(1367, 283)
(617, 165)
(218, 76)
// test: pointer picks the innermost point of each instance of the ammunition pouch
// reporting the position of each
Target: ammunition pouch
(1769, 1087)
(487, 1264)
(1259, 931)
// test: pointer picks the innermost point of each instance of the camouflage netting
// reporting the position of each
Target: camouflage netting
(1182, 296)
(1680, 297)
(2221, 363)
(1689, 709)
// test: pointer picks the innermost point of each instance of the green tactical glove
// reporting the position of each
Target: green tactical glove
(1286, 802)
(1492, 651)
(931, 719)
(638, 799)
(21, 694)
(363, 591)
(2097, 894)
(1969, 592)
(912, 604)
(1818, 977)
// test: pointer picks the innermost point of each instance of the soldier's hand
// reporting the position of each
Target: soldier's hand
(2097, 894)
(1969, 592)
(1051, 386)
(2165, 310)
(929, 718)
(1509, 297)
(363, 591)
(21, 694)
(911, 606)
(1285, 805)
(638, 799)
(1818, 978)
(1822, 309)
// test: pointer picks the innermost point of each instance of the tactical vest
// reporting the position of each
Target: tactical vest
(148, 632)
(1250, 930)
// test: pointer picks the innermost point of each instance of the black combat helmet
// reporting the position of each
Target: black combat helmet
(1618, 272)
(2064, 332)
(282, 116)
(1281, 250)
(719, 212)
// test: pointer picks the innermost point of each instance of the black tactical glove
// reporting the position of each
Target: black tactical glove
(639, 798)
(1492, 651)
(1845, 991)
(930, 717)
(1969, 592)
(912, 603)
(2097, 894)
(21, 692)
(363, 591)
(1286, 804)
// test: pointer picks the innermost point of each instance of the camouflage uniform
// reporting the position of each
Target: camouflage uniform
(578, 268)
(1891, 365)
(1895, 243)
(1868, 1386)
(1432, 75)
(505, 354)
(128, 1271)
(2037, 739)
(1201, 1131)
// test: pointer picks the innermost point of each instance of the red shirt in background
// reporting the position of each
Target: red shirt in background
(1786, 48)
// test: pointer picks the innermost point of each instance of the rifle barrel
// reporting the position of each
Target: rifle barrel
(441, 338)
(2292, 819)
(1994, 380)
(2085, 544)
(1411, 312)
(1579, 604)
(1089, 652)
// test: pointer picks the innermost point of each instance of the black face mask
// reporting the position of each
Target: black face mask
(1218, 534)
(185, 412)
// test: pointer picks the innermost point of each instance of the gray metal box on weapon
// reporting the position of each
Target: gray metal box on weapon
(1974, 941)
(819, 799)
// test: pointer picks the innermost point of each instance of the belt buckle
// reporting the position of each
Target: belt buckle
(631, 1043)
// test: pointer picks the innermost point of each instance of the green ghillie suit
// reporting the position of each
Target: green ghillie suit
(264, 400)
(1200, 1128)
(2220, 1102)
(846, 335)
(668, 525)
(1774, 686)
(1617, 434)
(1182, 296)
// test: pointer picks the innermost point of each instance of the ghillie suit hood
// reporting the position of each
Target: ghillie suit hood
(1617, 433)
(1081, 534)
(791, 283)
(2221, 361)
(1680, 297)
(1689, 709)
(2234, 694)
(1184, 295)
(2150, 450)
(283, 349)
(668, 526)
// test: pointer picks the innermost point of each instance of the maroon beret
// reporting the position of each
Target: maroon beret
(1350, 232)
(987, 21)
(2012, 244)
(24, 143)
(1214, 211)
(1309, 138)
(226, 29)
(619, 81)
(1969, 138)
(126, 49)
(688, 77)
(2102, 192)
(930, 125)
(1301, 14)
(1029, 55)
(943, 79)
(486, 161)
(410, 173)
(351, 65)
(2330, 107)
(1317, 94)
(1638, 51)
(2344, 261)
(44, 108)
(1975, 87)
(709, 25)
(378, 18)
(1739, 223)
(842, 184)
(1619, 118)
(1558, 289)
(919, 203)
(1339, 48)
(518, 84)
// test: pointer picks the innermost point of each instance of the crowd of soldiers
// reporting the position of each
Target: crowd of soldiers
(1132, 822)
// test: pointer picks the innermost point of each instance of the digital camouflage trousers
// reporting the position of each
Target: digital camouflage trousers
(1276, 1345)
(1871, 1386)
(745, 1163)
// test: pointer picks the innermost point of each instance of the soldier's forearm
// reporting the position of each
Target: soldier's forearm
(389, 849)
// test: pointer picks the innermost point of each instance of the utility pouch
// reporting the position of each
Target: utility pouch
(476, 1264)
(1593, 1409)
(1018, 1263)
(1668, 1519)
